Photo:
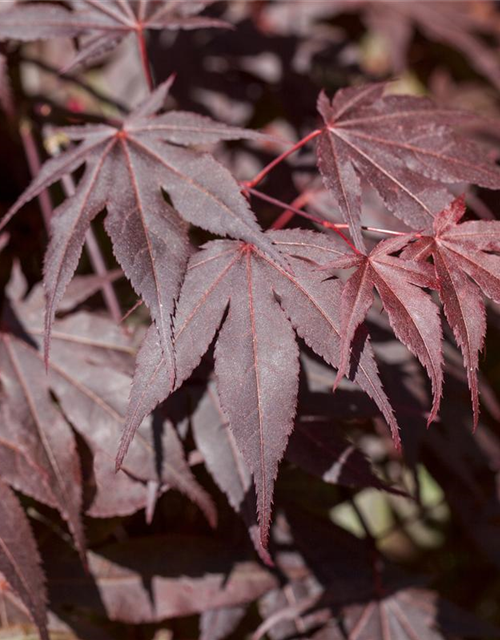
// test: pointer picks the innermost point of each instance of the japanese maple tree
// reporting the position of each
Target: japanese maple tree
(248, 333)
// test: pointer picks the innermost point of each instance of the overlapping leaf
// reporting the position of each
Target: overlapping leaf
(318, 448)
(20, 560)
(412, 314)
(217, 624)
(88, 374)
(468, 27)
(371, 598)
(258, 388)
(474, 33)
(126, 168)
(404, 146)
(466, 264)
(407, 614)
(102, 23)
(186, 574)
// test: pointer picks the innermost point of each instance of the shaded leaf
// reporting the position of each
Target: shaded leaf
(157, 577)
(217, 624)
(38, 436)
(20, 560)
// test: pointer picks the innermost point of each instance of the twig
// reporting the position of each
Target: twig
(76, 81)
(300, 212)
(262, 174)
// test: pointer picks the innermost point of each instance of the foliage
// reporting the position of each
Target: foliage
(220, 473)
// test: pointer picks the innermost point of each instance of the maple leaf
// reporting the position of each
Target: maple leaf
(257, 390)
(88, 373)
(20, 560)
(149, 579)
(404, 146)
(409, 613)
(38, 449)
(103, 24)
(222, 458)
(217, 624)
(374, 601)
(470, 27)
(466, 268)
(411, 312)
(318, 448)
(127, 165)
(6, 99)
(454, 23)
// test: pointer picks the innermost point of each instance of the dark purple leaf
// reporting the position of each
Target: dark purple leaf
(404, 146)
(20, 560)
(126, 168)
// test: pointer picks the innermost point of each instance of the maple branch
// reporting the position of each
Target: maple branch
(95, 93)
(304, 199)
(146, 66)
(300, 201)
(131, 311)
(304, 214)
(262, 174)
(34, 166)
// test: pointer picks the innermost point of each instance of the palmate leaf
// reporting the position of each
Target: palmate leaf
(317, 447)
(88, 373)
(469, 27)
(126, 168)
(266, 304)
(474, 33)
(218, 624)
(152, 578)
(6, 98)
(20, 560)
(412, 314)
(390, 606)
(466, 266)
(222, 458)
(37, 448)
(410, 613)
(404, 146)
(102, 23)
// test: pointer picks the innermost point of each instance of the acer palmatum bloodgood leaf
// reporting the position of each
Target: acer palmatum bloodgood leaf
(88, 372)
(149, 579)
(216, 443)
(318, 448)
(258, 390)
(27, 22)
(6, 98)
(404, 146)
(457, 24)
(410, 613)
(103, 23)
(217, 624)
(126, 168)
(411, 312)
(81, 288)
(39, 433)
(466, 268)
(20, 560)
